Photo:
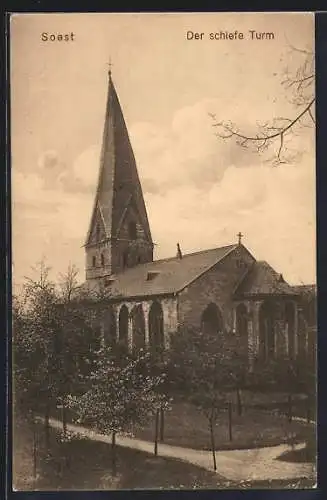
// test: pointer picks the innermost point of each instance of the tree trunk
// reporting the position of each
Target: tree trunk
(213, 447)
(47, 426)
(156, 432)
(308, 409)
(239, 401)
(34, 450)
(64, 420)
(113, 454)
(290, 413)
(162, 424)
(230, 421)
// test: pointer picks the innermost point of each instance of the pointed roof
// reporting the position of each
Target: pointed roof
(263, 280)
(118, 181)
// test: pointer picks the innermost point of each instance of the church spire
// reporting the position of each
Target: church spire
(119, 233)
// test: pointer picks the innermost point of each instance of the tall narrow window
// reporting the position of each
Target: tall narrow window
(102, 259)
(93, 261)
(132, 232)
(125, 259)
(98, 232)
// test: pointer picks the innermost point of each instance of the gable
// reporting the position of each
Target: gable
(130, 226)
(97, 227)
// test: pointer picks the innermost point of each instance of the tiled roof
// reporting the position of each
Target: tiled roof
(165, 276)
(262, 279)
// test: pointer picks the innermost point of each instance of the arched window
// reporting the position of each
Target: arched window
(94, 261)
(102, 259)
(290, 328)
(267, 316)
(97, 232)
(211, 320)
(156, 326)
(125, 259)
(132, 231)
(312, 312)
(138, 327)
(123, 326)
(109, 327)
(242, 327)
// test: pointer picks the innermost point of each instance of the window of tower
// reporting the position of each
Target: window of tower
(94, 261)
(132, 232)
(98, 232)
(125, 259)
(102, 259)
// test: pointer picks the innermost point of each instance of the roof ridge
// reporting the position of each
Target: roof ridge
(197, 252)
(168, 259)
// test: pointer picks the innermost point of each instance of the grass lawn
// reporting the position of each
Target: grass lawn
(184, 425)
(87, 466)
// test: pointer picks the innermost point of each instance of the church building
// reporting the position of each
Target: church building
(219, 289)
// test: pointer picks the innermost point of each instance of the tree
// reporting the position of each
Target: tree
(273, 133)
(35, 323)
(202, 368)
(121, 392)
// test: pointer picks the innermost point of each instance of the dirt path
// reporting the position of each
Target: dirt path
(235, 465)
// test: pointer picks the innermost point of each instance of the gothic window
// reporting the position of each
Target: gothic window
(290, 322)
(156, 326)
(138, 327)
(98, 232)
(132, 232)
(242, 327)
(311, 313)
(109, 327)
(211, 320)
(94, 261)
(102, 259)
(125, 259)
(267, 318)
(123, 326)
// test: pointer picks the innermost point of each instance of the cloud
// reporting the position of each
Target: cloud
(199, 191)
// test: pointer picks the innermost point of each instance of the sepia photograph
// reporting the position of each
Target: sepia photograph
(164, 293)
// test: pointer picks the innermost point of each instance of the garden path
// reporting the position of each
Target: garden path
(234, 465)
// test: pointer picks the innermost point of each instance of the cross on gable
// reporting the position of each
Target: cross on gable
(240, 236)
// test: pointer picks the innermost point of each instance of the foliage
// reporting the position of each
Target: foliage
(121, 392)
(35, 322)
(205, 366)
(54, 338)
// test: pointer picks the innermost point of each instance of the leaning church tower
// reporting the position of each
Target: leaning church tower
(119, 234)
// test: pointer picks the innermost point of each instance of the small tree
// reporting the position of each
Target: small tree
(202, 368)
(35, 323)
(121, 393)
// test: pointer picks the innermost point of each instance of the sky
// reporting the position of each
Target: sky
(200, 190)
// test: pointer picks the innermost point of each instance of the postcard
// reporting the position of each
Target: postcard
(163, 251)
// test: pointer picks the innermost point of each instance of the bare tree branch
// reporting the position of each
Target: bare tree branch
(302, 86)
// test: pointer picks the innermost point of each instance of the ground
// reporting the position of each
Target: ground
(88, 465)
(184, 425)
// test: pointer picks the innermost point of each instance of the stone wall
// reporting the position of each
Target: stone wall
(216, 286)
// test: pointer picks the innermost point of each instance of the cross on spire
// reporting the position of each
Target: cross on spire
(240, 236)
(110, 66)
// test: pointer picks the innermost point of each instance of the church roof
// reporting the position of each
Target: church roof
(118, 182)
(262, 279)
(165, 276)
